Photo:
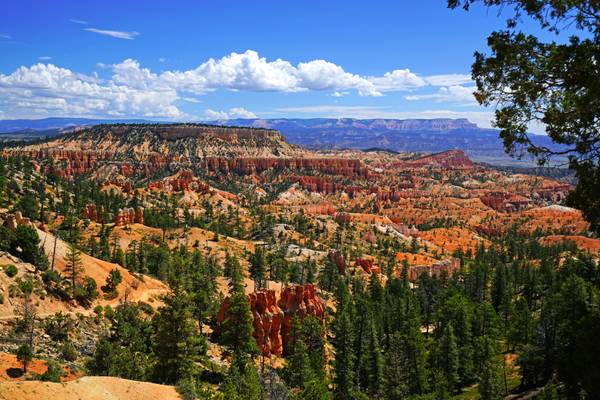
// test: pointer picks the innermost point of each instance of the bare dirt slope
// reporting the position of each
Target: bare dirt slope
(88, 388)
(146, 289)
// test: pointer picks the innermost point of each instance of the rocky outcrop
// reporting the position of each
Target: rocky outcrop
(555, 194)
(129, 216)
(448, 266)
(93, 213)
(298, 302)
(338, 260)
(184, 180)
(504, 202)
(273, 319)
(253, 166)
(123, 217)
(11, 221)
(71, 163)
(268, 318)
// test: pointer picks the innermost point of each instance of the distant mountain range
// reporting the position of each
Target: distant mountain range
(417, 135)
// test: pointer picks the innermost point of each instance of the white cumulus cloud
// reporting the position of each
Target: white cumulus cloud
(131, 89)
(236, 112)
(45, 89)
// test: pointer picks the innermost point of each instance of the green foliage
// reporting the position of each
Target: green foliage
(529, 80)
(68, 352)
(85, 294)
(25, 244)
(126, 351)
(490, 386)
(24, 355)
(298, 370)
(10, 270)
(29, 206)
(203, 289)
(26, 286)
(53, 373)
(315, 389)
(59, 326)
(113, 280)
(343, 343)
(238, 326)
(447, 357)
(177, 344)
(74, 266)
(258, 267)
(242, 382)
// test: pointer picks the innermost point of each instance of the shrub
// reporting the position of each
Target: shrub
(25, 286)
(59, 326)
(98, 311)
(112, 281)
(109, 313)
(187, 389)
(85, 294)
(68, 352)
(54, 372)
(51, 276)
(10, 270)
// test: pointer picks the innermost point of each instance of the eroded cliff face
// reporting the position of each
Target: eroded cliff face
(252, 166)
(273, 318)
(143, 151)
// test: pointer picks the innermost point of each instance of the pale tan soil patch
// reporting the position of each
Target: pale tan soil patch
(87, 388)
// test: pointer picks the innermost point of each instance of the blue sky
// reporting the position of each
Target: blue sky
(197, 60)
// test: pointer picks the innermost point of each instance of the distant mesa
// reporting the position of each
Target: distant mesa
(400, 135)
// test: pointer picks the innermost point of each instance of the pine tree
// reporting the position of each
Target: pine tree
(396, 376)
(371, 363)
(237, 328)
(328, 275)
(415, 354)
(315, 389)
(490, 384)
(311, 332)
(447, 356)
(126, 351)
(242, 382)
(177, 343)
(522, 324)
(343, 343)
(458, 310)
(298, 370)
(203, 290)
(233, 271)
(377, 302)
(258, 267)
(24, 355)
(74, 265)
